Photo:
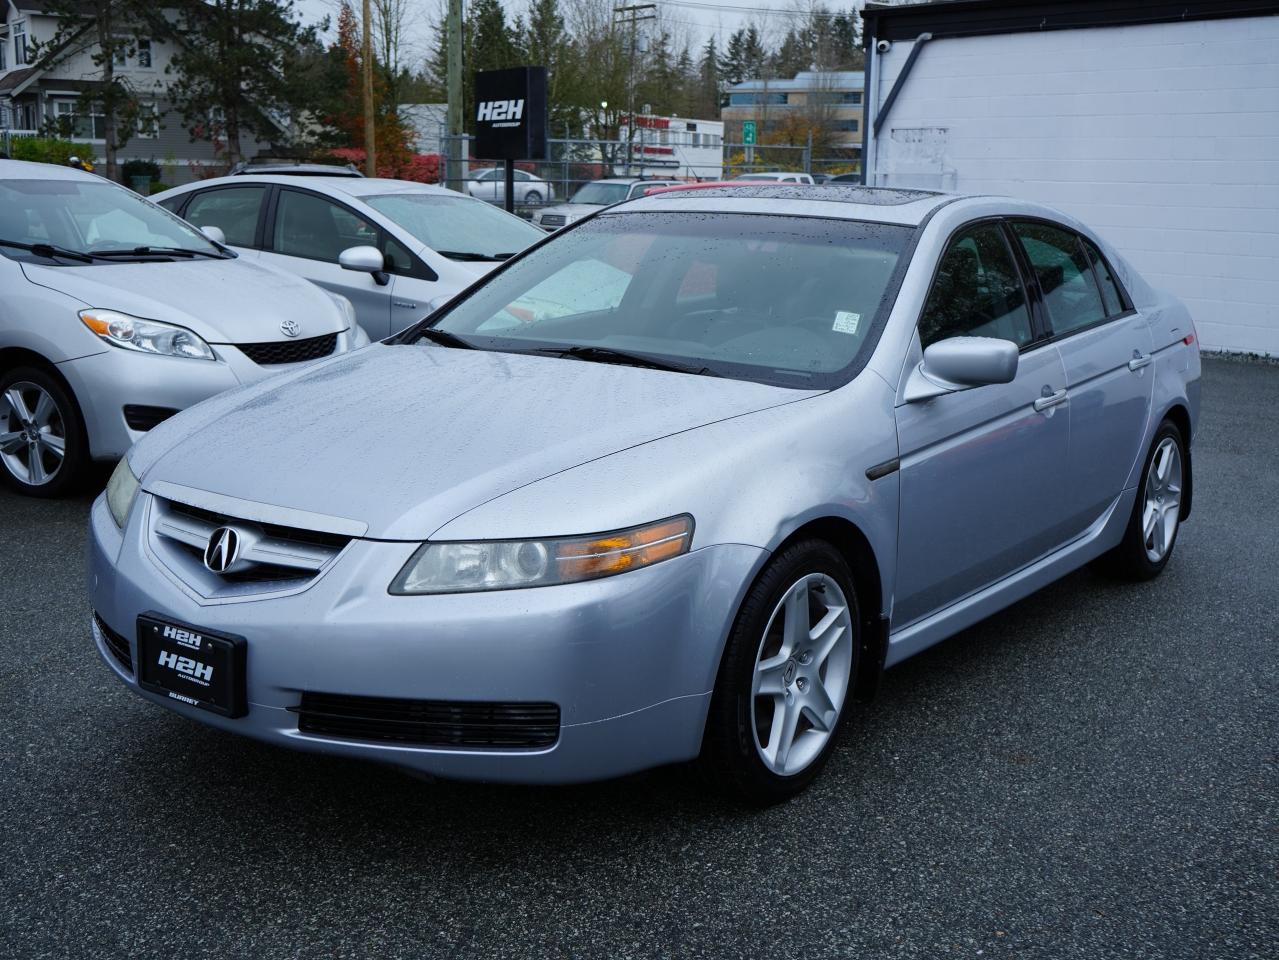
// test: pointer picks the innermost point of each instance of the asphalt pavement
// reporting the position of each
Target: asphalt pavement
(1091, 773)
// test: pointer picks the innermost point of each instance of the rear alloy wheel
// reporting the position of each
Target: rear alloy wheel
(786, 676)
(532, 198)
(41, 434)
(1156, 517)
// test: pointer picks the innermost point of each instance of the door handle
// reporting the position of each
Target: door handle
(1139, 360)
(1049, 400)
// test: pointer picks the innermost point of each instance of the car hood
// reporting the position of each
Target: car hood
(406, 438)
(224, 301)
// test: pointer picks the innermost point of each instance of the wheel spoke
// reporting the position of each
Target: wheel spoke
(1164, 462)
(11, 442)
(18, 404)
(44, 411)
(796, 623)
(35, 467)
(819, 708)
(827, 634)
(782, 736)
(55, 444)
(769, 677)
(1149, 522)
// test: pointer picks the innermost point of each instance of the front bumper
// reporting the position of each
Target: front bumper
(630, 660)
(105, 382)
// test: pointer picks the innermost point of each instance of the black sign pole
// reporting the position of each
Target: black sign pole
(509, 175)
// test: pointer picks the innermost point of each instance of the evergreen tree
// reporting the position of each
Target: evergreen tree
(708, 93)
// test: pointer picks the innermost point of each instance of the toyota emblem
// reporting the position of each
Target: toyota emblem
(290, 328)
(223, 549)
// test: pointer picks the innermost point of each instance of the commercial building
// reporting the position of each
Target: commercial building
(828, 103)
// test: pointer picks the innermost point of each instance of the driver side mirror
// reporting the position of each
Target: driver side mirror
(365, 259)
(959, 363)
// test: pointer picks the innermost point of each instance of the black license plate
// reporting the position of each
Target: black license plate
(192, 665)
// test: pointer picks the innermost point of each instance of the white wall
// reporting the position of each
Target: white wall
(1163, 138)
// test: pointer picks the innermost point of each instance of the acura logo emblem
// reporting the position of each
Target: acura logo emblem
(290, 328)
(223, 549)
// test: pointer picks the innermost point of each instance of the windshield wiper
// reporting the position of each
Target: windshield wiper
(470, 256)
(161, 251)
(444, 338)
(623, 357)
(50, 250)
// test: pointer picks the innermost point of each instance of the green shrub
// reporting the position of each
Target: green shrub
(140, 168)
(48, 150)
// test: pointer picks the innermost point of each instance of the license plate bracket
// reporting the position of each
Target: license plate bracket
(196, 666)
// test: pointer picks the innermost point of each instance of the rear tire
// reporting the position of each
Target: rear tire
(1152, 529)
(532, 198)
(43, 446)
(786, 678)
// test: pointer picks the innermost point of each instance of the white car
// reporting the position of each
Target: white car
(596, 195)
(394, 248)
(778, 177)
(490, 185)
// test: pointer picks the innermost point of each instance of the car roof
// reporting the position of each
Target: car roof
(878, 204)
(297, 170)
(27, 170)
(351, 186)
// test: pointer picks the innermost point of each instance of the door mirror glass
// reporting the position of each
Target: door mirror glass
(362, 259)
(962, 362)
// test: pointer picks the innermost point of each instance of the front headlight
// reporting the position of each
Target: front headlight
(344, 305)
(510, 564)
(122, 490)
(145, 336)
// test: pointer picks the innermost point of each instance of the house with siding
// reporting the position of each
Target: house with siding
(54, 91)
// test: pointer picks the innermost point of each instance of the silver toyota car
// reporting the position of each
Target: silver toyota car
(114, 315)
(679, 482)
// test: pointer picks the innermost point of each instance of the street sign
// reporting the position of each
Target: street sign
(748, 131)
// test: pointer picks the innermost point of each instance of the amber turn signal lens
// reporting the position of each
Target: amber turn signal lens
(618, 552)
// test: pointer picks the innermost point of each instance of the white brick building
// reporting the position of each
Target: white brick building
(1155, 123)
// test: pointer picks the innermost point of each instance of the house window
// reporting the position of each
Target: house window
(755, 99)
(19, 43)
(3, 46)
(91, 125)
(144, 54)
(148, 121)
(854, 98)
(120, 52)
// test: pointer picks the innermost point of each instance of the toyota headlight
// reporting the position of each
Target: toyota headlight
(344, 305)
(146, 336)
(511, 564)
(122, 490)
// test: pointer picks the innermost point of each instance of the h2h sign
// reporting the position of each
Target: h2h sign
(510, 114)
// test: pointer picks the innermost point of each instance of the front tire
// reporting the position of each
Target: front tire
(786, 676)
(43, 447)
(1152, 529)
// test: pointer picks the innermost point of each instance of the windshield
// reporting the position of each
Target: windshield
(602, 194)
(91, 217)
(786, 300)
(468, 228)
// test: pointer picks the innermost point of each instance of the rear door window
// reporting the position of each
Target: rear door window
(233, 210)
(1065, 276)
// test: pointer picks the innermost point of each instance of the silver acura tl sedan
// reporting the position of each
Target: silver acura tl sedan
(114, 314)
(678, 482)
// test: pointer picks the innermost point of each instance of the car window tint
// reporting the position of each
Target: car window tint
(977, 291)
(233, 210)
(1065, 276)
(398, 260)
(1109, 288)
(318, 229)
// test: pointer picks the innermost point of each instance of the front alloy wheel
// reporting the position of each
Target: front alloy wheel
(786, 676)
(40, 434)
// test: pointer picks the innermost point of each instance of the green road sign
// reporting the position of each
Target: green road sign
(748, 131)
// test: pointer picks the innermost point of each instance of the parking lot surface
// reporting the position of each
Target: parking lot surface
(1091, 773)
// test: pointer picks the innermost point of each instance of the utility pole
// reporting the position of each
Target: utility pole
(632, 15)
(370, 130)
(453, 155)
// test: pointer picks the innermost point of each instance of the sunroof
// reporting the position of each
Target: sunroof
(871, 196)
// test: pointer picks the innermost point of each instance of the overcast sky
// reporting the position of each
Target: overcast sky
(695, 20)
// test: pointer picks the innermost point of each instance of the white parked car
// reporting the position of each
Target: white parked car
(394, 248)
(596, 195)
(490, 185)
(778, 177)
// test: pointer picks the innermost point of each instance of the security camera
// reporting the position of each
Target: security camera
(883, 46)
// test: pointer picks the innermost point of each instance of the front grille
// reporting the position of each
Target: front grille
(317, 537)
(552, 220)
(290, 351)
(141, 418)
(116, 643)
(429, 723)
